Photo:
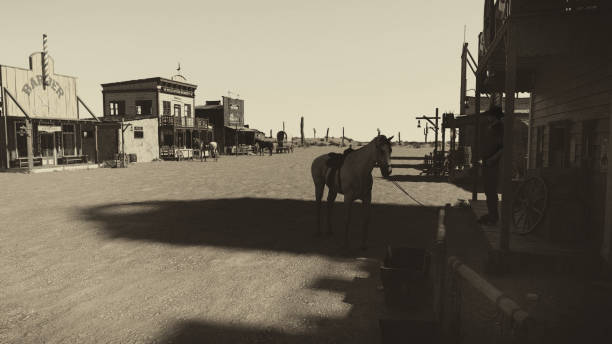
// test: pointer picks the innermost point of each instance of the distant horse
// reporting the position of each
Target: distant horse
(214, 151)
(351, 175)
(261, 145)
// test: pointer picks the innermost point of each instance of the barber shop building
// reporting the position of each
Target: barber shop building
(43, 122)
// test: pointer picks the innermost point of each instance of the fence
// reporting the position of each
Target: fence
(468, 308)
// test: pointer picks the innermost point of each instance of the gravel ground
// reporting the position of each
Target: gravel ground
(177, 252)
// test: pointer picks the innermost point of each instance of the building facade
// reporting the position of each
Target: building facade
(557, 52)
(41, 118)
(170, 103)
(227, 118)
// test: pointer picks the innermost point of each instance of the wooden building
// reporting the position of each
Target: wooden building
(227, 118)
(42, 123)
(170, 102)
(558, 51)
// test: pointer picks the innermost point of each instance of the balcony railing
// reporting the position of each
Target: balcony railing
(176, 121)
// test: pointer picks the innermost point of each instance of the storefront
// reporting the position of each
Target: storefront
(40, 110)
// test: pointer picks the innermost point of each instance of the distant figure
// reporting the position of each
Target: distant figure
(214, 153)
(202, 150)
(491, 153)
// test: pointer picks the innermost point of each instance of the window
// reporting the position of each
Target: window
(166, 108)
(138, 132)
(177, 110)
(116, 107)
(187, 110)
(69, 139)
(143, 107)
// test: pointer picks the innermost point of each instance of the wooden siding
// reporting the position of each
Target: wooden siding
(574, 93)
(56, 101)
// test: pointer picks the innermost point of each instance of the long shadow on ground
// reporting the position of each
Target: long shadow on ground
(360, 325)
(259, 223)
(280, 225)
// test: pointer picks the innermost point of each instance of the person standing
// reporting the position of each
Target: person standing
(491, 153)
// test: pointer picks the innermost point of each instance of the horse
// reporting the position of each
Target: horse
(214, 151)
(351, 175)
(264, 144)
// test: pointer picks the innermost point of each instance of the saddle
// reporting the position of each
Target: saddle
(335, 162)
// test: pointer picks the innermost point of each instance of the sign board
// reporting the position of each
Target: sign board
(49, 128)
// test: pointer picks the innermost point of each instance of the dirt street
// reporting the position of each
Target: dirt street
(177, 252)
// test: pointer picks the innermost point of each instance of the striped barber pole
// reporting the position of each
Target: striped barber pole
(45, 62)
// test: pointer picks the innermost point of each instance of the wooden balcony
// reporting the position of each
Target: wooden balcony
(540, 29)
(201, 123)
(173, 121)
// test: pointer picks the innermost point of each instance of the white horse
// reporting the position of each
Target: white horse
(214, 151)
(351, 175)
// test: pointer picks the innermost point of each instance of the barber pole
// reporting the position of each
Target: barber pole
(45, 62)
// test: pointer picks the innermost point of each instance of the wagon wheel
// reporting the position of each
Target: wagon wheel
(529, 205)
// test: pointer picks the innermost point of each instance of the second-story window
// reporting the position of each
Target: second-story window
(116, 107)
(187, 110)
(167, 108)
(143, 107)
(177, 110)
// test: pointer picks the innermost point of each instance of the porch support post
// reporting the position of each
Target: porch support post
(96, 137)
(29, 133)
(5, 123)
(476, 143)
(606, 249)
(507, 164)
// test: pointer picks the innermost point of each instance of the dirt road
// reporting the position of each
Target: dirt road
(177, 252)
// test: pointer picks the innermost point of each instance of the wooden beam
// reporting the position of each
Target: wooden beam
(463, 80)
(476, 142)
(86, 108)
(16, 103)
(510, 89)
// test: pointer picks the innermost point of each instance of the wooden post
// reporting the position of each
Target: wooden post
(96, 139)
(302, 130)
(399, 138)
(506, 170)
(283, 125)
(327, 135)
(476, 142)
(426, 130)
(463, 79)
(314, 131)
(5, 114)
(29, 133)
(342, 137)
(122, 145)
(436, 133)
(443, 136)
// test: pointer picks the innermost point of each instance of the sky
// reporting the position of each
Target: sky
(361, 65)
